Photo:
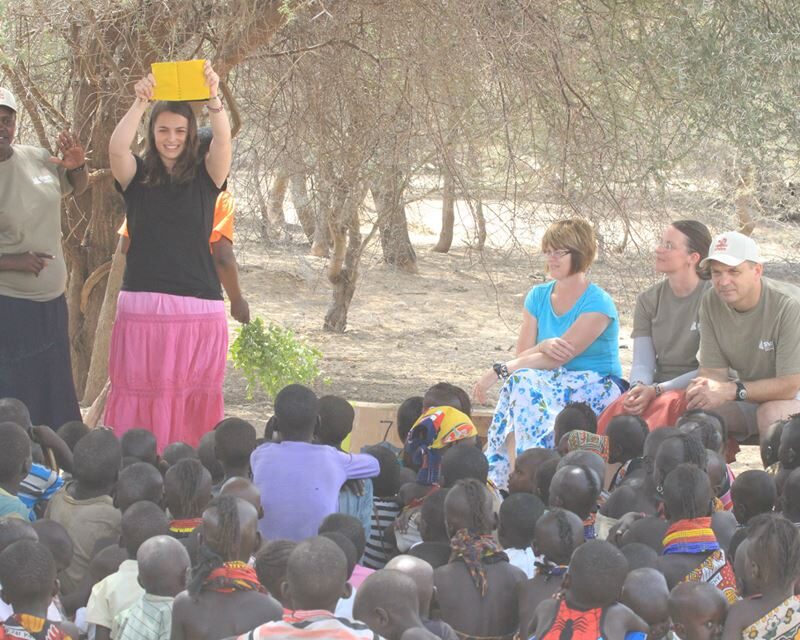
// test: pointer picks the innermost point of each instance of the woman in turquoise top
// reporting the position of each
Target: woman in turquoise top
(567, 350)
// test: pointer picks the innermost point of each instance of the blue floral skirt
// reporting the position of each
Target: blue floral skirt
(528, 405)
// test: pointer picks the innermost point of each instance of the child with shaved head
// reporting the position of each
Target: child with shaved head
(316, 578)
(388, 603)
(28, 575)
(697, 610)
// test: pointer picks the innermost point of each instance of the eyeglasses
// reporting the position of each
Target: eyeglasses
(557, 253)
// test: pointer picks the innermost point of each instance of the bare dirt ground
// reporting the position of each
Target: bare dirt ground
(454, 318)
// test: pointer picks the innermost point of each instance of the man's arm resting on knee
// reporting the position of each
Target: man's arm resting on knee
(780, 388)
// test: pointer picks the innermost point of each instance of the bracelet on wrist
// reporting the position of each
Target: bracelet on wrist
(501, 370)
(218, 109)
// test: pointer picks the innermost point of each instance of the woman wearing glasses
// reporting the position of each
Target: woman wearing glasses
(666, 335)
(567, 350)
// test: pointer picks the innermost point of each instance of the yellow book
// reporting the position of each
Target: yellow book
(183, 80)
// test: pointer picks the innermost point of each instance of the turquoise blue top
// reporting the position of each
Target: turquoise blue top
(602, 356)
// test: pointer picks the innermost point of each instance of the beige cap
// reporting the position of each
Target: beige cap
(733, 248)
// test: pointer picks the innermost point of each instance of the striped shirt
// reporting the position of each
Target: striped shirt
(378, 550)
(312, 624)
(149, 618)
(39, 486)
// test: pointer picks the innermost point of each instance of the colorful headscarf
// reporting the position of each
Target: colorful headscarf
(586, 441)
(432, 432)
(231, 577)
(473, 549)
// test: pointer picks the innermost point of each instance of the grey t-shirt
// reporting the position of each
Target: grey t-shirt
(673, 325)
(30, 220)
(761, 343)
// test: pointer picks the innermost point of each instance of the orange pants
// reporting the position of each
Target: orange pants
(663, 411)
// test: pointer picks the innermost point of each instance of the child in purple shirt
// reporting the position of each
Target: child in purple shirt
(300, 481)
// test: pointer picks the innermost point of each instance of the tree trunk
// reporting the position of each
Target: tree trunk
(302, 203)
(448, 213)
(277, 195)
(323, 235)
(387, 192)
(745, 202)
(343, 267)
(480, 224)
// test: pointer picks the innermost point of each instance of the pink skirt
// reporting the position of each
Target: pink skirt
(167, 366)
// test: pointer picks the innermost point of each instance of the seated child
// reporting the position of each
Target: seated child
(519, 514)
(575, 416)
(41, 483)
(381, 544)
(691, 551)
(28, 576)
(207, 454)
(721, 483)
(84, 507)
(112, 595)
(640, 556)
(753, 493)
(174, 453)
(645, 592)
(271, 563)
(163, 567)
(13, 530)
(576, 489)
(577, 440)
(476, 590)
(138, 481)
(388, 604)
(769, 446)
(408, 413)
(244, 489)
(626, 436)
(224, 597)
(351, 528)
(316, 578)
(187, 492)
(697, 610)
(790, 499)
(544, 477)
(590, 601)
(445, 394)
(15, 461)
(295, 502)
(140, 444)
(771, 565)
(55, 537)
(344, 608)
(336, 416)
(435, 545)
(234, 443)
(421, 573)
(556, 536)
(523, 477)
(72, 431)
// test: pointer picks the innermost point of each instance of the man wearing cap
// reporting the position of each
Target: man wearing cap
(749, 325)
(34, 344)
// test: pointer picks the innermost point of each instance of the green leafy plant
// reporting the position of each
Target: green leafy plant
(271, 357)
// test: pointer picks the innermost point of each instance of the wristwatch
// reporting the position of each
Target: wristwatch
(501, 370)
(741, 391)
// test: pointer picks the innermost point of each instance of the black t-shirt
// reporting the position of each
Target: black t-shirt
(169, 228)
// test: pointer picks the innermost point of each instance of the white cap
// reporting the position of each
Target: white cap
(733, 248)
(7, 99)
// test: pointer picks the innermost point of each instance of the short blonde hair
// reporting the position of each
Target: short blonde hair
(576, 235)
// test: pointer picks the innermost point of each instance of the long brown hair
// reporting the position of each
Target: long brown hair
(155, 173)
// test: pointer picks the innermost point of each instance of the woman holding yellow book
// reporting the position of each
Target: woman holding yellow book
(170, 337)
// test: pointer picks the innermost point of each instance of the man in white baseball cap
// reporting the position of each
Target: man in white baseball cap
(749, 341)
